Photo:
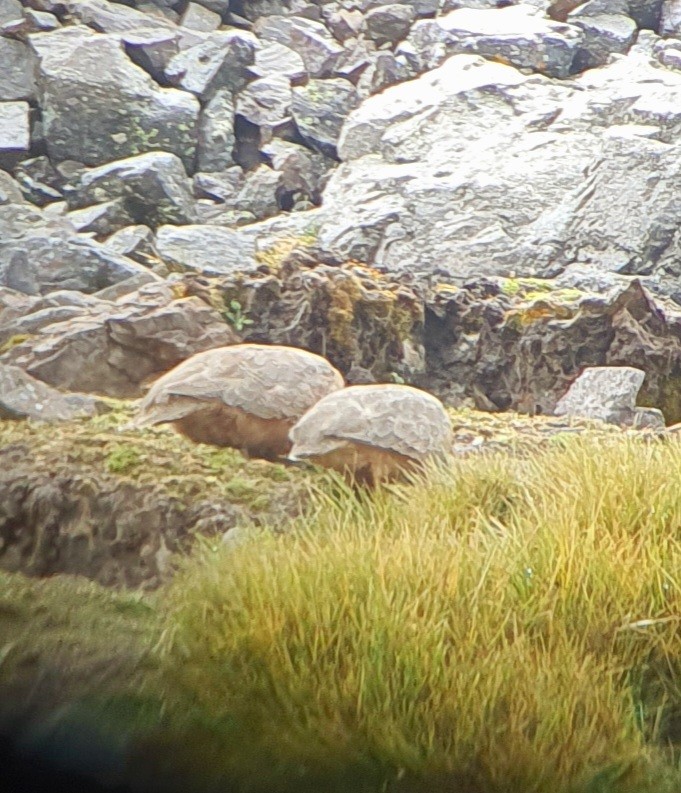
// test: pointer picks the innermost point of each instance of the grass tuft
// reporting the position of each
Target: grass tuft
(509, 624)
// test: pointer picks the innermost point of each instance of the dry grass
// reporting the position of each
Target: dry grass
(511, 625)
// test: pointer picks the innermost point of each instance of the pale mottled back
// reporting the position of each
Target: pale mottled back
(268, 381)
(395, 418)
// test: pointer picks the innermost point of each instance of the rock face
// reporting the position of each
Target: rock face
(475, 169)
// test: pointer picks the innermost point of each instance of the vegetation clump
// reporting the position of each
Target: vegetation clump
(511, 623)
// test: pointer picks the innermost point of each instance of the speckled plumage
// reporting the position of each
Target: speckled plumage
(221, 396)
(404, 424)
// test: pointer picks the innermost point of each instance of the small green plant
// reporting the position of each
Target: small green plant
(236, 317)
(396, 378)
(123, 460)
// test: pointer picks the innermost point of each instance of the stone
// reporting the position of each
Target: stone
(344, 24)
(10, 191)
(40, 181)
(223, 186)
(477, 170)
(153, 187)
(385, 69)
(606, 393)
(17, 71)
(303, 173)
(311, 40)
(646, 13)
(320, 109)
(670, 22)
(220, 61)
(10, 10)
(32, 21)
(266, 102)
(135, 242)
(603, 35)
(277, 60)
(259, 193)
(101, 220)
(388, 24)
(98, 106)
(22, 396)
(15, 135)
(216, 133)
(514, 35)
(152, 49)
(668, 53)
(113, 348)
(206, 249)
(198, 17)
(39, 255)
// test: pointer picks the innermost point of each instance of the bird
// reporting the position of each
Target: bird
(373, 433)
(244, 396)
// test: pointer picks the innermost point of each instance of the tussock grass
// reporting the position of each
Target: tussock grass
(507, 625)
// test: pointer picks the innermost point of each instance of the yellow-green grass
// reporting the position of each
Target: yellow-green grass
(511, 625)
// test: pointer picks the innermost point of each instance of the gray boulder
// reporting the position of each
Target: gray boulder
(98, 105)
(135, 242)
(266, 102)
(216, 133)
(608, 393)
(604, 35)
(10, 10)
(17, 71)
(153, 189)
(475, 169)
(22, 396)
(15, 132)
(40, 255)
(277, 60)
(670, 22)
(10, 191)
(515, 35)
(207, 249)
(389, 23)
(311, 40)
(220, 61)
(113, 348)
(320, 109)
(198, 17)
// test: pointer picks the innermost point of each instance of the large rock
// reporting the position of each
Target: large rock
(608, 393)
(516, 34)
(22, 396)
(475, 169)
(98, 106)
(153, 188)
(17, 81)
(216, 133)
(38, 255)
(320, 109)
(220, 61)
(389, 23)
(15, 132)
(311, 40)
(670, 23)
(207, 249)
(604, 34)
(112, 348)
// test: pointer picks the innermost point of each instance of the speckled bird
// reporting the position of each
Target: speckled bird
(245, 396)
(373, 433)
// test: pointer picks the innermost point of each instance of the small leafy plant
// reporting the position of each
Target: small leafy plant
(236, 317)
